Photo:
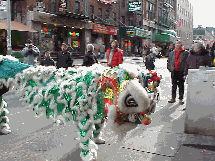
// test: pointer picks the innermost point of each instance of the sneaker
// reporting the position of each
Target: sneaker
(5, 131)
(171, 101)
(181, 102)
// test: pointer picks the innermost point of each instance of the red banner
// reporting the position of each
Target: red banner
(104, 29)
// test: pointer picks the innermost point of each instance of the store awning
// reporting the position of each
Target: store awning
(162, 37)
(15, 26)
(171, 32)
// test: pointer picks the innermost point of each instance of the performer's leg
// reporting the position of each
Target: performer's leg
(88, 147)
(97, 134)
(4, 127)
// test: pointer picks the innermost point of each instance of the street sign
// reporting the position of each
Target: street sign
(134, 6)
(63, 5)
(3, 10)
(3, 5)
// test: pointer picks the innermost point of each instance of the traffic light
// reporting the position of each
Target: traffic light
(126, 42)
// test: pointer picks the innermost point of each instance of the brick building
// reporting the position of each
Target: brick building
(132, 23)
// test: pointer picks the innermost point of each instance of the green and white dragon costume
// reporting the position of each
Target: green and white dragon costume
(81, 94)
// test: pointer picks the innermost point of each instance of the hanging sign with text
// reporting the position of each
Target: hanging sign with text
(104, 29)
(63, 5)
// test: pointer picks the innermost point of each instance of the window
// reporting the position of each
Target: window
(100, 12)
(123, 3)
(107, 15)
(114, 17)
(123, 19)
(150, 11)
(53, 6)
(132, 23)
(77, 7)
(91, 11)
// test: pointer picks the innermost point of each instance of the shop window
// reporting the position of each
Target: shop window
(140, 23)
(77, 7)
(94, 37)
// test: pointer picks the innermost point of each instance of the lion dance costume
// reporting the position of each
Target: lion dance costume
(84, 95)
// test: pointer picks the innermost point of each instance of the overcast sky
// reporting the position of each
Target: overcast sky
(203, 13)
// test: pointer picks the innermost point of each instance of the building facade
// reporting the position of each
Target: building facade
(184, 22)
(206, 34)
(132, 23)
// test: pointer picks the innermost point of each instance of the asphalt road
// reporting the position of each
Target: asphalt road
(37, 139)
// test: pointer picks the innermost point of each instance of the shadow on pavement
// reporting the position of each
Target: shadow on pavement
(198, 146)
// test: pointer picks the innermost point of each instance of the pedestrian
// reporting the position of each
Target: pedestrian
(135, 50)
(154, 50)
(147, 49)
(30, 53)
(47, 60)
(102, 51)
(213, 54)
(64, 57)
(149, 61)
(171, 48)
(198, 56)
(90, 58)
(115, 56)
(176, 65)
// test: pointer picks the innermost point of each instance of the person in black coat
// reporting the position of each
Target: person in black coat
(199, 56)
(47, 61)
(90, 57)
(149, 61)
(64, 57)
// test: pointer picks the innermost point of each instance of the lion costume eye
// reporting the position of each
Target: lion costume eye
(130, 102)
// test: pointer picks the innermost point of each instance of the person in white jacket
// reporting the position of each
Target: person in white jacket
(154, 50)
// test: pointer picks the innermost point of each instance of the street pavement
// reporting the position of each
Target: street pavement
(163, 140)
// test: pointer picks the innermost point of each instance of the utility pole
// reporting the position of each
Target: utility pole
(9, 49)
(119, 22)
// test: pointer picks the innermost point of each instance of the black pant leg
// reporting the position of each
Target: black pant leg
(174, 83)
(181, 86)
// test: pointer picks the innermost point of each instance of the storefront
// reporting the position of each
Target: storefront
(54, 29)
(127, 33)
(102, 34)
(165, 38)
(47, 38)
(133, 39)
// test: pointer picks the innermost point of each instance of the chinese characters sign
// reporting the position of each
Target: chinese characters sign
(104, 29)
(63, 5)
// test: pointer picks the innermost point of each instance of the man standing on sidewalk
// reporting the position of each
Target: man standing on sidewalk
(176, 65)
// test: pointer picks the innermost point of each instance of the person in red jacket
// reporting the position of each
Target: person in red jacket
(114, 55)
